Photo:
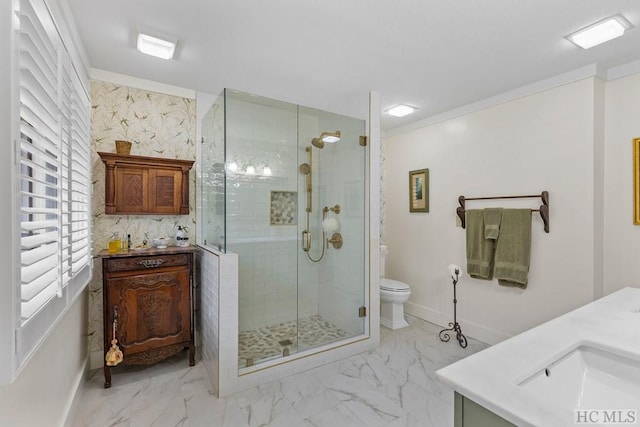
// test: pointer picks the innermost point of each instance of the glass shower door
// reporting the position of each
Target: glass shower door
(261, 179)
(281, 191)
(331, 228)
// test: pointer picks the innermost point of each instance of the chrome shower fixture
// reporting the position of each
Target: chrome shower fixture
(328, 137)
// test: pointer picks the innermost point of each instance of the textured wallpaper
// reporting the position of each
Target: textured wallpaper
(158, 125)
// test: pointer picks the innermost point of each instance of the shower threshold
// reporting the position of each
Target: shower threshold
(285, 338)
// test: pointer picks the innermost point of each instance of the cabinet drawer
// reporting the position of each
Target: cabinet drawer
(146, 262)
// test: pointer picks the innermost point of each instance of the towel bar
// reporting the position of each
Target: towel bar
(543, 209)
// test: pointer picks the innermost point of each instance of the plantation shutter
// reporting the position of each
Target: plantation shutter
(41, 156)
(65, 170)
(54, 152)
(80, 185)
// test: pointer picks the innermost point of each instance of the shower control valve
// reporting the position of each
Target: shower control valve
(335, 241)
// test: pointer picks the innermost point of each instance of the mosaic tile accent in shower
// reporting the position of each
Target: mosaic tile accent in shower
(284, 207)
(265, 343)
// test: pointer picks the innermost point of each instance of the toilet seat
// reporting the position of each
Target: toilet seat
(391, 285)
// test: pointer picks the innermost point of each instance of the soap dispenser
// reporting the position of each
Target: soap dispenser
(179, 236)
(114, 243)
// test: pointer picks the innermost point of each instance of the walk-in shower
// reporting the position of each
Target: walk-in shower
(285, 188)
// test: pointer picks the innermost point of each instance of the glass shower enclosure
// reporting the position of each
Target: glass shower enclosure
(283, 186)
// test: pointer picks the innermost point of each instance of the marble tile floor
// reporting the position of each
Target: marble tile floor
(269, 342)
(393, 385)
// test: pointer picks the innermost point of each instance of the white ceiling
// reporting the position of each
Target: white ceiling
(434, 54)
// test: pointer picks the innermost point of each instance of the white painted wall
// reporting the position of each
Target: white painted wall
(598, 188)
(622, 238)
(43, 393)
(545, 141)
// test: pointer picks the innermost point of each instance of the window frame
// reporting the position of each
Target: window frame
(22, 339)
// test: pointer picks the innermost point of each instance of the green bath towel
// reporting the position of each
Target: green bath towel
(479, 250)
(513, 250)
(492, 219)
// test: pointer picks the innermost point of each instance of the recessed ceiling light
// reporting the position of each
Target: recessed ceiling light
(401, 110)
(600, 32)
(156, 47)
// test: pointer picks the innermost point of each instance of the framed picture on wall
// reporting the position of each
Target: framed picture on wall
(419, 190)
(636, 181)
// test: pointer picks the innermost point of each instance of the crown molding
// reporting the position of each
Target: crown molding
(150, 85)
(527, 90)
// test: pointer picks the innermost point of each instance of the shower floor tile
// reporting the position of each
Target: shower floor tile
(271, 341)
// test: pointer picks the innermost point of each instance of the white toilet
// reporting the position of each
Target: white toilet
(393, 294)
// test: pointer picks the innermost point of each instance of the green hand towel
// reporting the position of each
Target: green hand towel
(513, 250)
(479, 250)
(492, 219)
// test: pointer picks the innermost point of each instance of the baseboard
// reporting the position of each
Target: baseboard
(72, 406)
(470, 329)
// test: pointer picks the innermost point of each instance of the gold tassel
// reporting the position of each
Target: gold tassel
(114, 354)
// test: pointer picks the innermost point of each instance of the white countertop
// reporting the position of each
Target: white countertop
(491, 377)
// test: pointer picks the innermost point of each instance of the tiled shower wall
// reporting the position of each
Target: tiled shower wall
(268, 281)
(262, 132)
(339, 180)
(207, 321)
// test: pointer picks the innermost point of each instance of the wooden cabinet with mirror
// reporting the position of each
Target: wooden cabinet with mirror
(138, 185)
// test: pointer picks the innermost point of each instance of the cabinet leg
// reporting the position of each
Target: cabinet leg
(107, 376)
(192, 355)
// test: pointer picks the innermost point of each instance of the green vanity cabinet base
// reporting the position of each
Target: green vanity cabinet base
(469, 414)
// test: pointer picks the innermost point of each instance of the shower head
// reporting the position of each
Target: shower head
(329, 137)
(305, 169)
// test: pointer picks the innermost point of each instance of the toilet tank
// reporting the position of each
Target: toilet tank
(383, 259)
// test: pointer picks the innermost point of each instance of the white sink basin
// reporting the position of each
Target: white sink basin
(588, 377)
